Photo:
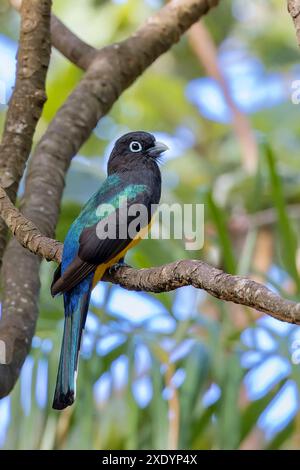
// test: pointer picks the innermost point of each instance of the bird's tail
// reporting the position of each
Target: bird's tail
(75, 317)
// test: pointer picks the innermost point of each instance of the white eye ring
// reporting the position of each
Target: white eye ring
(135, 146)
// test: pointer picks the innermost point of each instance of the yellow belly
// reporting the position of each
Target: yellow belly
(104, 266)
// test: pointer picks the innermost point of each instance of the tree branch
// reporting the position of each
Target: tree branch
(66, 42)
(204, 48)
(294, 10)
(29, 95)
(111, 72)
(71, 46)
(27, 233)
(237, 289)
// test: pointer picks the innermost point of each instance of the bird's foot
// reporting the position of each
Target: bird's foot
(120, 264)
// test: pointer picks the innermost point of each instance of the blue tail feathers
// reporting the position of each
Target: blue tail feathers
(76, 308)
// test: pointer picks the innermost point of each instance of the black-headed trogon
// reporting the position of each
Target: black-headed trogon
(133, 177)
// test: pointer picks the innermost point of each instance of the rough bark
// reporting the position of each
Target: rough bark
(237, 289)
(29, 95)
(111, 72)
(26, 232)
(294, 10)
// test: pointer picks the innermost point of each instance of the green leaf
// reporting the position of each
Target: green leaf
(196, 368)
(253, 411)
(229, 419)
(288, 240)
(219, 218)
(281, 437)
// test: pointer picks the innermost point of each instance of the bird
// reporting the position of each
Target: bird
(133, 177)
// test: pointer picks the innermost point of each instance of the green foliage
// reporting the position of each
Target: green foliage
(218, 217)
(287, 236)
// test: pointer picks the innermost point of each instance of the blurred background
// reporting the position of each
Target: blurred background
(180, 369)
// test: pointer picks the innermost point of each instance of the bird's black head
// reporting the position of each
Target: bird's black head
(134, 149)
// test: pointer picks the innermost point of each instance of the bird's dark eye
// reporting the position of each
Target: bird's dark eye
(135, 146)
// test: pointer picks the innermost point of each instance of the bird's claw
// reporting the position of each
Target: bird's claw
(114, 268)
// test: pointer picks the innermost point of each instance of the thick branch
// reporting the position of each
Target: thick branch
(294, 10)
(70, 45)
(66, 42)
(28, 98)
(111, 72)
(237, 289)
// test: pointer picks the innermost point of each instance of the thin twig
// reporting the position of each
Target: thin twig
(204, 47)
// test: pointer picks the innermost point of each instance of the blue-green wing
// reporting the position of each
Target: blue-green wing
(83, 249)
